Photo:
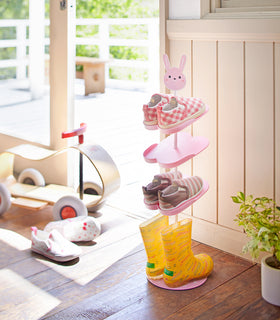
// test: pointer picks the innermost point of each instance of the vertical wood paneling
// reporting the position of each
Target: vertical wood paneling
(259, 135)
(277, 122)
(205, 87)
(230, 129)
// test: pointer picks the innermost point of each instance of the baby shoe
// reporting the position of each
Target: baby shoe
(150, 110)
(177, 114)
(160, 182)
(53, 245)
(82, 228)
(181, 194)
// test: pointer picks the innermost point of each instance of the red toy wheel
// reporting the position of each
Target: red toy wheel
(69, 207)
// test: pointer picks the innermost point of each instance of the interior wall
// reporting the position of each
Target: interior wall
(234, 66)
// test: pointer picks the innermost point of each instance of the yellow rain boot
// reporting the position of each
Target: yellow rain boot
(181, 264)
(150, 231)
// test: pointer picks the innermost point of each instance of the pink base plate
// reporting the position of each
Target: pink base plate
(190, 285)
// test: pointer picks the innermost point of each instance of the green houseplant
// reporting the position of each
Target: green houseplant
(260, 219)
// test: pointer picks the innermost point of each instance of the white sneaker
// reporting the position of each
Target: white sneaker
(83, 228)
(53, 245)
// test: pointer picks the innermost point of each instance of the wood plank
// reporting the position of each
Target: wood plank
(20, 299)
(29, 204)
(276, 121)
(259, 309)
(259, 119)
(220, 303)
(205, 87)
(230, 129)
(152, 302)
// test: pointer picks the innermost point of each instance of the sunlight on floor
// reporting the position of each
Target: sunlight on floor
(14, 240)
(20, 298)
(90, 266)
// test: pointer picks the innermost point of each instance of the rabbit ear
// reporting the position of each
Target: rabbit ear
(166, 61)
(182, 63)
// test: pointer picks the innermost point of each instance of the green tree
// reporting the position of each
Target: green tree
(14, 9)
(115, 9)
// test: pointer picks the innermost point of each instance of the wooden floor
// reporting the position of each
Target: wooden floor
(108, 281)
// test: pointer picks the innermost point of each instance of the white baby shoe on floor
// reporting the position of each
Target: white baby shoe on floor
(83, 228)
(53, 245)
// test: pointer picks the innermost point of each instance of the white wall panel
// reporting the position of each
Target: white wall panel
(230, 128)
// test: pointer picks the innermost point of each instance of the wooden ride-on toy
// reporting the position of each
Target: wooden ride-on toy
(29, 190)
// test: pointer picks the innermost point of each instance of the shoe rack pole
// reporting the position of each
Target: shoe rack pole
(175, 141)
(175, 145)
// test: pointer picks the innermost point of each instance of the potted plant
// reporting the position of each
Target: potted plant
(260, 218)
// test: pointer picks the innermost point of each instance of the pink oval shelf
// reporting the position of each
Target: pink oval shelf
(167, 156)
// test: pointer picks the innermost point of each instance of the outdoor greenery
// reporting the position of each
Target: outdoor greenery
(18, 9)
(260, 218)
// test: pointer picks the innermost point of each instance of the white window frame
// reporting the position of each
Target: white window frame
(240, 9)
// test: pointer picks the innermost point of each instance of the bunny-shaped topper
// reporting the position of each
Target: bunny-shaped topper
(174, 78)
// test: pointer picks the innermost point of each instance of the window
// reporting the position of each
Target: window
(223, 9)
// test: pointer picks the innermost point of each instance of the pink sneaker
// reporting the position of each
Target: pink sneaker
(160, 182)
(83, 228)
(53, 245)
(150, 110)
(176, 114)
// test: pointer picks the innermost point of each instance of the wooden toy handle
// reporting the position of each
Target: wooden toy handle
(76, 132)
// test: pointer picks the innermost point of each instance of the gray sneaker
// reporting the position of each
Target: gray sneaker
(160, 182)
(181, 194)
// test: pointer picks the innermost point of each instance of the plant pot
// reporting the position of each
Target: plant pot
(270, 282)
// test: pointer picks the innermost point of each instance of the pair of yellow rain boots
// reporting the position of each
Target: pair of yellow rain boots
(169, 253)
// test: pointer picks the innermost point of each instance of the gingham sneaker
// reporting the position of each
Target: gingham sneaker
(180, 194)
(160, 182)
(150, 110)
(178, 111)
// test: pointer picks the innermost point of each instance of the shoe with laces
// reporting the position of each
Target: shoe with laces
(160, 182)
(150, 110)
(53, 245)
(176, 115)
(181, 194)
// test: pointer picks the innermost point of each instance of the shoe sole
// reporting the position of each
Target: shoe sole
(58, 259)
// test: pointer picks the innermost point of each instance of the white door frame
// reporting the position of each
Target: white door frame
(62, 66)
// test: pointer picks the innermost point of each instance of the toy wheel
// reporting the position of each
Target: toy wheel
(5, 199)
(69, 207)
(31, 176)
(95, 189)
(91, 188)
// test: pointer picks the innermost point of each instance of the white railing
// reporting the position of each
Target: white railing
(102, 40)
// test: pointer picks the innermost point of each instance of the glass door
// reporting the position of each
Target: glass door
(36, 102)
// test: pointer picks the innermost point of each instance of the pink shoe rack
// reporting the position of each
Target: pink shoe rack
(177, 148)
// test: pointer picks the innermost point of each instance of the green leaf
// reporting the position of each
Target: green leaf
(241, 195)
(236, 200)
